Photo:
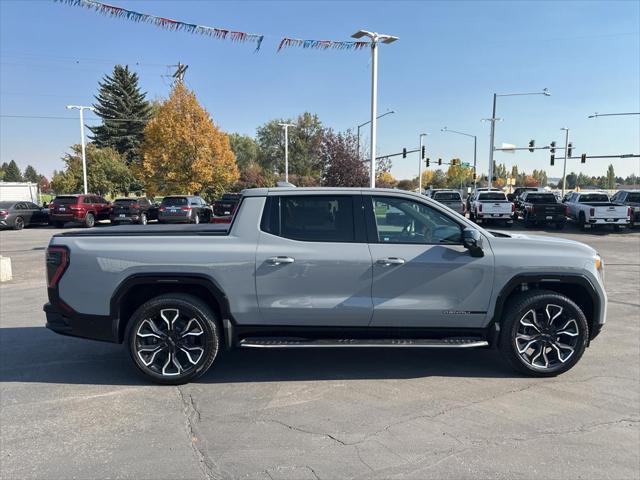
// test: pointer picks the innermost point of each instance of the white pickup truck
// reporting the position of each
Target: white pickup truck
(595, 208)
(492, 206)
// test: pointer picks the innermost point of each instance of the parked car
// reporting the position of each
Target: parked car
(630, 198)
(321, 267)
(85, 209)
(184, 209)
(590, 209)
(537, 208)
(520, 190)
(492, 206)
(450, 198)
(18, 215)
(133, 210)
(226, 205)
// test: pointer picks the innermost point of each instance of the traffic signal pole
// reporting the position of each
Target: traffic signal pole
(566, 155)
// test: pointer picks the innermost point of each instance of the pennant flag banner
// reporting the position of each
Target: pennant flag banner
(167, 23)
(320, 44)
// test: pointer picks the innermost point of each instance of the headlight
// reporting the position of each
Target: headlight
(599, 263)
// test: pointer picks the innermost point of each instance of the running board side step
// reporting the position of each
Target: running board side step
(451, 342)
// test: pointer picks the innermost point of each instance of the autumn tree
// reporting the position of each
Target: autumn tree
(457, 175)
(385, 180)
(342, 166)
(530, 181)
(253, 175)
(407, 184)
(124, 111)
(184, 151)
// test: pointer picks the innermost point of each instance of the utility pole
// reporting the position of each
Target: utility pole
(181, 69)
(286, 126)
(420, 159)
(375, 38)
(84, 158)
(566, 155)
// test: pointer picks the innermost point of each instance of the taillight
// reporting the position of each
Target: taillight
(629, 212)
(57, 260)
(75, 208)
(162, 209)
(513, 207)
(592, 212)
(51, 206)
(185, 209)
(135, 205)
(3, 213)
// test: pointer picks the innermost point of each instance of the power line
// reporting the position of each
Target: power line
(52, 117)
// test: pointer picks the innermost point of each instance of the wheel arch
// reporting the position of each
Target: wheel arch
(574, 286)
(139, 288)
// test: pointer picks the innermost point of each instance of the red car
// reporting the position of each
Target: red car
(84, 209)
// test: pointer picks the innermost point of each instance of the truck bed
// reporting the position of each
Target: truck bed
(206, 229)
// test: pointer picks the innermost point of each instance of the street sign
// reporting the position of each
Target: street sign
(466, 164)
(509, 148)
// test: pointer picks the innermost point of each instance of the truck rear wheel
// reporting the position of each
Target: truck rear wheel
(173, 338)
(89, 220)
(543, 333)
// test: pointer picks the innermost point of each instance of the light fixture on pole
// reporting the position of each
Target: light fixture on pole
(368, 122)
(286, 148)
(84, 159)
(493, 120)
(475, 151)
(375, 38)
(420, 159)
(566, 154)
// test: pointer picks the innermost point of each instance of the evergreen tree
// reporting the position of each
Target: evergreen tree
(12, 172)
(611, 178)
(124, 111)
(30, 174)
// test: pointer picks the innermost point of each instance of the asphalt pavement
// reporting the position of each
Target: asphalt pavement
(73, 408)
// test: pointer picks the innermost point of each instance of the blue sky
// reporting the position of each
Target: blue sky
(450, 59)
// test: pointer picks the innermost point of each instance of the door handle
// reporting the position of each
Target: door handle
(280, 260)
(391, 261)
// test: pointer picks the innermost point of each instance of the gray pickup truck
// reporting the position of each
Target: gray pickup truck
(330, 268)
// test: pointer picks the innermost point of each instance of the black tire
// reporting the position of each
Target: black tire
(508, 224)
(89, 220)
(143, 219)
(559, 225)
(582, 221)
(617, 228)
(196, 218)
(115, 223)
(18, 223)
(140, 334)
(527, 222)
(559, 343)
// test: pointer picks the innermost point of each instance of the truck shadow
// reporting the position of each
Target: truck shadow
(36, 355)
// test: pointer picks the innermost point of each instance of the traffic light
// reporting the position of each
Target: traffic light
(569, 149)
(553, 160)
(439, 161)
(424, 152)
(553, 148)
(427, 162)
(583, 158)
(404, 153)
(532, 144)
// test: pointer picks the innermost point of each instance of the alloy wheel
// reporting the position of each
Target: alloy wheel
(547, 337)
(19, 223)
(171, 342)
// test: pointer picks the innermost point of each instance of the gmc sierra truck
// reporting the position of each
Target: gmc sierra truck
(591, 209)
(325, 268)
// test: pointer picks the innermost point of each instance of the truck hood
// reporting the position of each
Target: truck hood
(531, 241)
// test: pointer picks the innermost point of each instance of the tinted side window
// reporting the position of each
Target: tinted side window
(317, 218)
(400, 220)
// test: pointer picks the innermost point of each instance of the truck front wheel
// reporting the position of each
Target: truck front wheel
(543, 333)
(173, 338)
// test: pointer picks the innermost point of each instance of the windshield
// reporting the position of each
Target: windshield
(633, 197)
(594, 197)
(65, 200)
(447, 196)
(492, 196)
(540, 198)
(174, 201)
(125, 201)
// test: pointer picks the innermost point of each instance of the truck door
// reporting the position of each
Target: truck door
(313, 266)
(422, 275)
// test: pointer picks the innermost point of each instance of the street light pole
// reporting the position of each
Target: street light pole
(84, 158)
(286, 149)
(375, 39)
(566, 154)
(368, 122)
(493, 120)
(475, 151)
(420, 164)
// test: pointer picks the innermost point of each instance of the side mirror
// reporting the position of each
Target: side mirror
(472, 241)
